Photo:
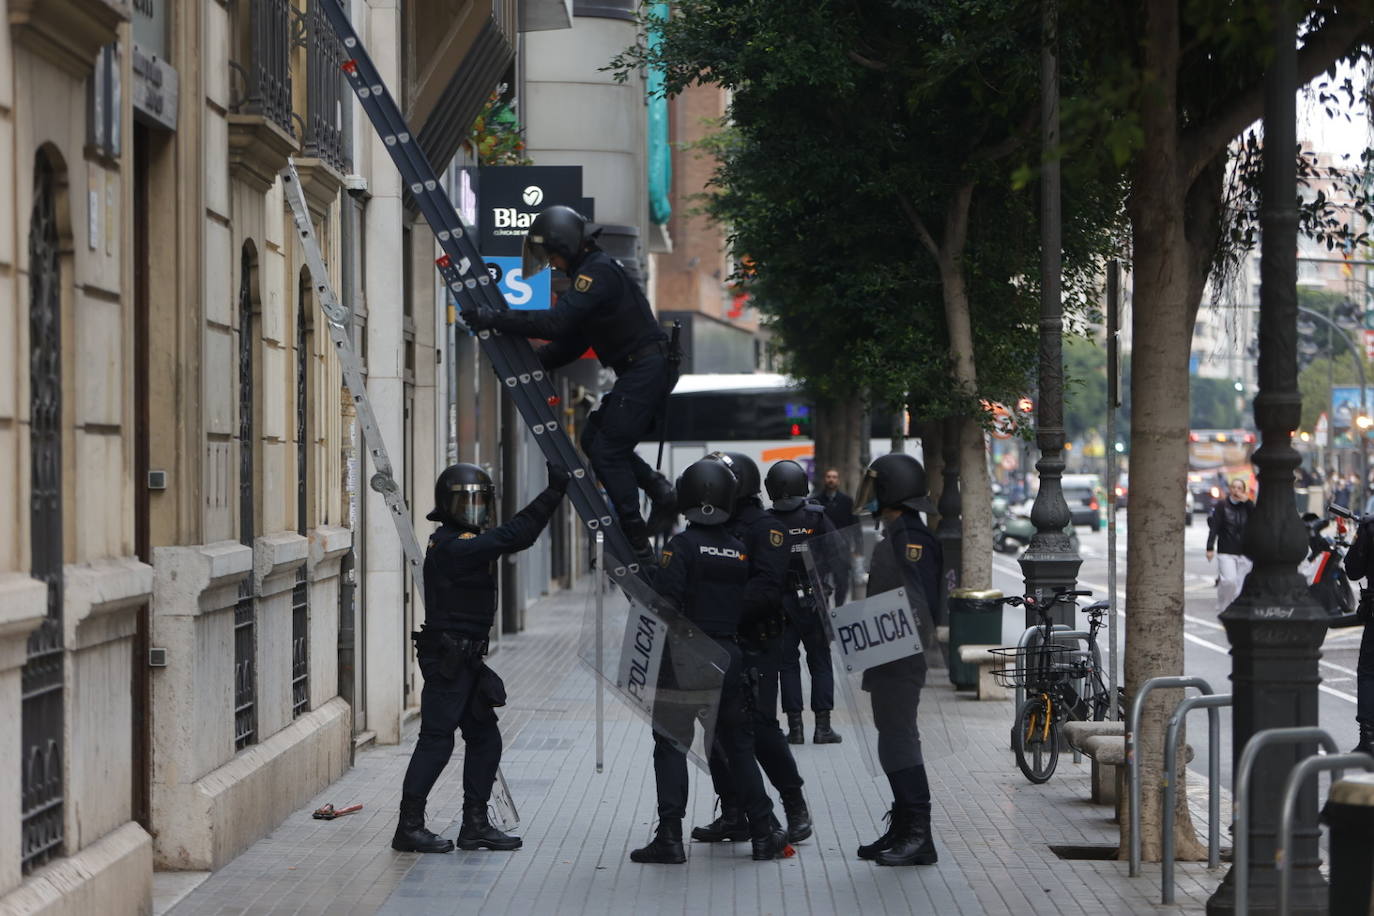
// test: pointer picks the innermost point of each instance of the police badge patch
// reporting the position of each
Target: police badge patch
(914, 551)
(583, 283)
(466, 535)
(665, 559)
(775, 537)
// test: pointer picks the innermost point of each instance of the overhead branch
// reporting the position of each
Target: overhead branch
(868, 62)
(919, 225)
(1321, 48)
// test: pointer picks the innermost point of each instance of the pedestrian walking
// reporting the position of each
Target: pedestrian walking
(760, 633)
(802, 521)
(1226, 530)
(460, 691)
(839, 508)
(703, 573)
(908, 557)
(606, 311)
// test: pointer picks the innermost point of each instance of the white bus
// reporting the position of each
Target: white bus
(763, 415)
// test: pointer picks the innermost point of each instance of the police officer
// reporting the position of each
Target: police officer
(803, 520)
(908, 557)
(761, 629)
(604, 310)
(1359, 564)
(460, 691)
(702, 573)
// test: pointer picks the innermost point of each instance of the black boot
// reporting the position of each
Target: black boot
(896, 826)
(915, 845)
(477, 831)
(663, 511)
(769, 839)
(637, 533)
(666, 846)
(411, 835)
(824, 734)
(730, 827)
(1366, 745)
(798, 817)
(796, 732)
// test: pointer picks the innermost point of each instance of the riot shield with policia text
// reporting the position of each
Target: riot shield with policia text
(658, 664)
(878, 639)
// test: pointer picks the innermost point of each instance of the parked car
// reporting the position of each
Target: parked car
(1123, 489)
(1206, 487)
(1084, 494)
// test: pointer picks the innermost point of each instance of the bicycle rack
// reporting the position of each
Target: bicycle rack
(1212, 703)
(1304, 769)
(1024, 640)
(1240, 854)
(1132, 770)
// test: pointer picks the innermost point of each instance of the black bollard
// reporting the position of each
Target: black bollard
(1349, 812)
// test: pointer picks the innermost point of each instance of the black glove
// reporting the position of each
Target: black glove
(478, 319)
(558, 478)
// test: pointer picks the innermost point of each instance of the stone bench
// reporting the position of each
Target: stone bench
(1108, 754)
(982, 657)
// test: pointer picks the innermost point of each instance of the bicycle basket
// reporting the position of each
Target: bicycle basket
(1033, 667)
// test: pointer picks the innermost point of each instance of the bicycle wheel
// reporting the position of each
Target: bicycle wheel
(1036, 739)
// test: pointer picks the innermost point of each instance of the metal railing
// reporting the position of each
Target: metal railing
(300, 645)
(1305, 768)
(1212, 703)
(324, 94)
(1133, 766)
(262, 41)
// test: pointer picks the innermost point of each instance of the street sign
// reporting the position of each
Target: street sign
(521, 292)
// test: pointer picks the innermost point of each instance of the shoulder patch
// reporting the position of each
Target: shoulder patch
(914, 551)
(666, 558)
(582, 283)
(775, 537)
(466, 535)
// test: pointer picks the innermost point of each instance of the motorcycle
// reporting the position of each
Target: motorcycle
(1325, 565)
(1012, 531)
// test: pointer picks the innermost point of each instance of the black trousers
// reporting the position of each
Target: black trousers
(447, 705)
(804, 629)
(734, 732)
(626, 415)
(1364, 677)
(770, 744)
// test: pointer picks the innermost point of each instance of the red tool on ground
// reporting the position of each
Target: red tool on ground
(329, 812)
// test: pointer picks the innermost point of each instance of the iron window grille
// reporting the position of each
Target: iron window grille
(262, 31)
(324, 80)
(300, 595)
(41, 682)
(245, 611)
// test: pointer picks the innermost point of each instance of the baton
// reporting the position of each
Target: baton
(674, 360)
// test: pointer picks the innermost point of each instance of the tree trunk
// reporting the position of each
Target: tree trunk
(933, 458)
(839, 427)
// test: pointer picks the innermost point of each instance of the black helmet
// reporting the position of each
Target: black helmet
(894, 481)
(464, 497)
(787, 485)
(744, 469)
(557, 230)
(706, 492)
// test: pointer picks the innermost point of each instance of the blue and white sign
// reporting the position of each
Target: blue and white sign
(521, 292)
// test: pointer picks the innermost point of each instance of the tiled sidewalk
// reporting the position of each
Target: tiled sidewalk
(992, 827)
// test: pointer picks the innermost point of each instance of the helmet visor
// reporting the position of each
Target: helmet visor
(534, 257)
(866, 503)
(471, 504)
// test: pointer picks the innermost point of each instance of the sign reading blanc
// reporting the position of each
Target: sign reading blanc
(641, 656)
(877, 630)
(510, 197)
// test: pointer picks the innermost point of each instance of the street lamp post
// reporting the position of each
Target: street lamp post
(1050, 561)
(1358, 359)
(1274, 627)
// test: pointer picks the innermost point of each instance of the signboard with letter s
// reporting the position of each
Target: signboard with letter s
(521, 292)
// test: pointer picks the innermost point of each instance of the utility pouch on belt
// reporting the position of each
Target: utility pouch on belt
(453, 652)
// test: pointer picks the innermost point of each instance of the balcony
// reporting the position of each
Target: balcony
(260, 115)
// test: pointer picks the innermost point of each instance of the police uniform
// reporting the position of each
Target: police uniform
(704, 572)
(460, 692)
(605, 310)
(761, 628)
(804, 627)
(1359, 564)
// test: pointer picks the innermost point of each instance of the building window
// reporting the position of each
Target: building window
(41, 681)
(245, 612)
(300, 595)
(261, 57)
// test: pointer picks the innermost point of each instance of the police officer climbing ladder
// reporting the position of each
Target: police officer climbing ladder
(466, 277)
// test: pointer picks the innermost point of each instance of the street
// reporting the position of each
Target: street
(1208, 653)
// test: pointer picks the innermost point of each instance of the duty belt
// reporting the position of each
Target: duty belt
(657, 348)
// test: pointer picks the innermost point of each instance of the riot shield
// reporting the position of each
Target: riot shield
(661, 667)
(879, 627)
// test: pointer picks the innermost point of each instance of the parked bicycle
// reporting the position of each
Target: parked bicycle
(1049, 672)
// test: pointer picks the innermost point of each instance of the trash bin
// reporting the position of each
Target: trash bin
(1349, 812)
(975, 619)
